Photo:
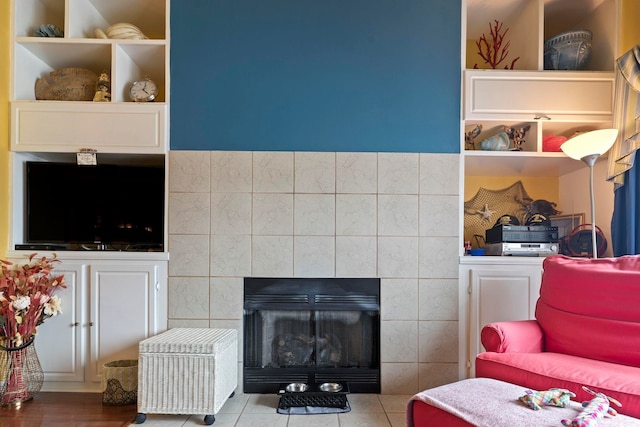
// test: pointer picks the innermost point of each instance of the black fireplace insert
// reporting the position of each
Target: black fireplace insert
(311, 331)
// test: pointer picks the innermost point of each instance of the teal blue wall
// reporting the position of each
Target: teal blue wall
(315, 75)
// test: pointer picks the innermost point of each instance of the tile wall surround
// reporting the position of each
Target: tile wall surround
(306, 214)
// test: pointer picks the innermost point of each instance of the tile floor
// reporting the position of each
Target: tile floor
(259, 410)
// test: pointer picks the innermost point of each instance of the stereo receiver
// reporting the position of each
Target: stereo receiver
(522, 233)
(522, 249)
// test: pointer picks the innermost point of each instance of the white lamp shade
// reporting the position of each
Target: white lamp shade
(589, 143)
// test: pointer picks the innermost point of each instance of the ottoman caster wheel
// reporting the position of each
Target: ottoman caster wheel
(209, 419)
(140, 418)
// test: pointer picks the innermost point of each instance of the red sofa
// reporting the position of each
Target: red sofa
(586, 332)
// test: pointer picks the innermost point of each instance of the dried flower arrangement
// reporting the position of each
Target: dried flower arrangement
(492, 50)
(26, 298)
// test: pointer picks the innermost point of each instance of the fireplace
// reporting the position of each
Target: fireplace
(311, 331)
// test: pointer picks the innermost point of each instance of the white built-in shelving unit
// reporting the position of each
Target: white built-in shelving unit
(494, 288)
(113, 299)
(119, 126)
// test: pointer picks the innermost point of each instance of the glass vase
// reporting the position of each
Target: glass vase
(21, 375)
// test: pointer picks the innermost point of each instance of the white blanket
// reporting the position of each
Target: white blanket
(486, 402)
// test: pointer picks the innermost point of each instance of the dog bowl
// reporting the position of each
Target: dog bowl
(570, 50)
(477, 251)
(330, 387)
(297, 387)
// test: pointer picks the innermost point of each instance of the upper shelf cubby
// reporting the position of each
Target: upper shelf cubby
(528, 23)
(125, 60)
(80, 18)
(30, 14)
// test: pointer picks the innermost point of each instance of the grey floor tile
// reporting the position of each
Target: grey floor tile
(222, 420)
(262, 420)
(235, 404)
(316, 420)
(397, 419)
(394, 403)
(364, 420)
(259, 410)
(365, 403)
(261, 404)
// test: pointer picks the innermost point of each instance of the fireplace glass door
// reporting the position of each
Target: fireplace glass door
(306, 338)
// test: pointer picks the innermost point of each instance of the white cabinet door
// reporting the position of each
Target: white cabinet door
(105, 127)
(125, 309)
(494, 292)
(61, 339)
(548, 95)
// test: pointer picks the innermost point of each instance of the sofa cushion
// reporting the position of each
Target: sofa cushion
(591, 307)
(541, 371)
(601, 339)
(518, 336)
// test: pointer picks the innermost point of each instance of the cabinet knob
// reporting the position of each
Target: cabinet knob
(90, 323)
(75, 324)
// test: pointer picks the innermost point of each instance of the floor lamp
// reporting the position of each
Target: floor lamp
(588, 147)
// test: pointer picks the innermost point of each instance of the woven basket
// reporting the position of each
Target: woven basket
(120, 382)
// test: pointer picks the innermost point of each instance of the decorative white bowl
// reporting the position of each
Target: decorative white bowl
(570, 50)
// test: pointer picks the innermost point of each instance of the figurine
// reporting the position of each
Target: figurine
(517, 135)
(469, 137)
(103, 89)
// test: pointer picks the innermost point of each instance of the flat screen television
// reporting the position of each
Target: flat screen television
(117, 207)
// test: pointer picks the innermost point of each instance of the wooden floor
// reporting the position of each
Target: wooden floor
(48, 409)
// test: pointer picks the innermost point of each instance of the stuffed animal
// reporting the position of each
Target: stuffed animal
(552, 397)
(594, 410)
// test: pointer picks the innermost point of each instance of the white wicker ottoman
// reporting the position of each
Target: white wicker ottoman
(187, 371)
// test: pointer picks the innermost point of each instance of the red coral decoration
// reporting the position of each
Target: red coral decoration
(492, 50)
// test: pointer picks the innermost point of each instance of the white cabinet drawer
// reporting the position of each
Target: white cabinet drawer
(548, 95)
(51, 126)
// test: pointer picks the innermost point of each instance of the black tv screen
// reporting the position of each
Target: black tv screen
(111, 206)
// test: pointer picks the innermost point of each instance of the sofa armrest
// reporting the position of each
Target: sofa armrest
(522, 336)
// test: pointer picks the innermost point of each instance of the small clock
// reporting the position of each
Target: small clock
(145, 90)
